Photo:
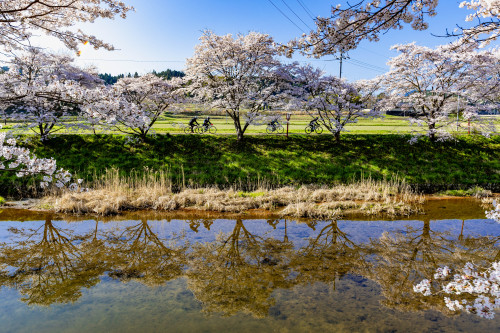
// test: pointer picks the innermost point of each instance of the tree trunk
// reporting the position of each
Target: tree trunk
(237, 125)
(337, 136)
(432, 134)
(239, 134)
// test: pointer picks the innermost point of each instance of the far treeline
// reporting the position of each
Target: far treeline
(167, 74)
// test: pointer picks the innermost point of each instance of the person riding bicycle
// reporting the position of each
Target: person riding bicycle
(206, 122)
(314, 123)
(193, 123)
(274, 123)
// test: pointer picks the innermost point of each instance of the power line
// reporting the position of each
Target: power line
(369, 65)
(306, 9)
(367, 49)
(364, 66)
(286, 16)
(131, 60)
(303, 5)
(296, 15)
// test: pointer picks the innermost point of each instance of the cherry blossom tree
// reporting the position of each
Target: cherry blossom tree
(335, 102)
(20, 19)
(43, 89)
(133, 105)
(237, 73)
(427, 82)
(368, 19)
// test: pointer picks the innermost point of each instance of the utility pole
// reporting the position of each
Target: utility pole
(341, 58)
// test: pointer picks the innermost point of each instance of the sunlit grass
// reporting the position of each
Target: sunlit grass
(175, 123)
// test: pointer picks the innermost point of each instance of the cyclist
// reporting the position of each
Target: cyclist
(314, 123)
(274, 124)
(206, 123)
(193, 123)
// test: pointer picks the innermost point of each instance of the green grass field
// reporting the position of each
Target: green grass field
(297, 125)
(388, 125)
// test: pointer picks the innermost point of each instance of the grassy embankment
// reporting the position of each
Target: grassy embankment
(256, 168)
(194, 161)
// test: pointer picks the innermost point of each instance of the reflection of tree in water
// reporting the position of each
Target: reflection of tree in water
(481, 249)
(403, 258)
(329, 255)
(238, 272)
(50, 264)
(195, 224)
(139, 253)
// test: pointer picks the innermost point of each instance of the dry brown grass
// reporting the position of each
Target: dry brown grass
(113, 194)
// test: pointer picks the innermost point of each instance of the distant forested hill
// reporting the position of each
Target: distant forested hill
(168, 74)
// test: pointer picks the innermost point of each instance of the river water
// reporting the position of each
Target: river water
(153, 273)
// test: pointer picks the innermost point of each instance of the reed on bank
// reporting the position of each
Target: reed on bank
(113, 193)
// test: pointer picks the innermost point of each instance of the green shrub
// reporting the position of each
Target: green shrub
(475, 191)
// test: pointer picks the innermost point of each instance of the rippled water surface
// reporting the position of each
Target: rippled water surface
(145, 274)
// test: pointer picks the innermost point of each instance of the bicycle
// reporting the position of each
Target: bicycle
(314, 128)
(204, 129)
(278, 128)
(188, 130)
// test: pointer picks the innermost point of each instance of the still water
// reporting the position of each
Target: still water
(150, 274)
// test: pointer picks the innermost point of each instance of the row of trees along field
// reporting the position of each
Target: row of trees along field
(243, 74)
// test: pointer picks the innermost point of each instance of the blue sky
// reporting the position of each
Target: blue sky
(161, 34)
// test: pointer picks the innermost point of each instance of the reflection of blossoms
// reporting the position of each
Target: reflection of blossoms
(442, 273)
(479, 289)
(495, 213)
(423, 287)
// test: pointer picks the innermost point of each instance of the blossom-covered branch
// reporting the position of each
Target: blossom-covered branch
(368, 19)
(24, 163)
(19, 19)
(487, 14)
(495, 213)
